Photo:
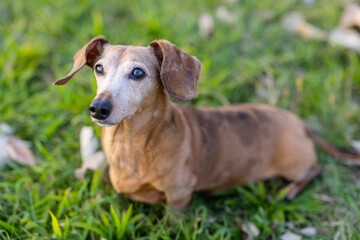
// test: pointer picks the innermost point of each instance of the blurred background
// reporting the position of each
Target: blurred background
(283, 53)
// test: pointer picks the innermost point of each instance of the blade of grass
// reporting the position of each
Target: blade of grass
(116, 221)
(55, 225)
(125, 221)
(88, 227)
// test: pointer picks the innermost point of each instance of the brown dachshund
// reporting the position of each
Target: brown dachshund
(158, 150)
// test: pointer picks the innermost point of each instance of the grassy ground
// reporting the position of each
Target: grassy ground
(253, 60)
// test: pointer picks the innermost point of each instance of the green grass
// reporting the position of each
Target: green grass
(318, 82)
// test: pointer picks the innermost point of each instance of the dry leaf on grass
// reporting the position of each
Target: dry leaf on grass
(19, 151)
(4, 155)
(14, 148)
(295, 22)
(224, 15)
(351, 16)
(308, 232)
(324, 198)
(248, 228)
(94, 163)
(355, 145)
(345, 37)
(206, 25)
(88, 142)
(347, 34)
(351, 162)
(91, 159)
(290, 236)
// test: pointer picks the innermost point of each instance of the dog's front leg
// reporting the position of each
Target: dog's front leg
(179, 188)
(178, 197)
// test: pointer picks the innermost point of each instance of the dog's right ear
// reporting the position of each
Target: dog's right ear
(86, 55)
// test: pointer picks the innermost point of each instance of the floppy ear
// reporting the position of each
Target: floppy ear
(86, 55)
(179, 71)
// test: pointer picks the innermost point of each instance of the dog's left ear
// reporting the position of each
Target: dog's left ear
(85, 56)
(179, 71)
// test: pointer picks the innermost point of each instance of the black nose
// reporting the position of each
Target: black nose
(100, 109)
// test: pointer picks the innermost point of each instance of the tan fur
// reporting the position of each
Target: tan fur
(162, 151)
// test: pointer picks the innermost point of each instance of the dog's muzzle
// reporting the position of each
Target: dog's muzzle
(100, 109)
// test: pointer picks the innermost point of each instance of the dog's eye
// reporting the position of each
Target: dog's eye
(137, 74)
(99, 69)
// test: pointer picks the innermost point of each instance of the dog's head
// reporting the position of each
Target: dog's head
(130, 77)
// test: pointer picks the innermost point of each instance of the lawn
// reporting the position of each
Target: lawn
(252, 59)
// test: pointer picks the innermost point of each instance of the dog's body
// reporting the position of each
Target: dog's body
(162, 151)
(188, 149)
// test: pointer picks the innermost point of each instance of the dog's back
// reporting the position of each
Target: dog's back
(234, 144)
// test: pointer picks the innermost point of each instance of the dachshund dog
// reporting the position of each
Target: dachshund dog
(159, 151)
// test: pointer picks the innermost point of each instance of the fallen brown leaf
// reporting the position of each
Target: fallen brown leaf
(224, 15)
(324, 198)
(248, 228)
(206, 25)
(290, 236)
(91, 159)
(351, 162)
(351, 16)
(88, 142)
(19, 151)
(296, 23)
(4, 155)
(308, 232)
(355, 145)
(93, 163)
(14, 148)
(347, 38)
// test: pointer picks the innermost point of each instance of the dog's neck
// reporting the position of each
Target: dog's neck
(126, 143)
(143, 123)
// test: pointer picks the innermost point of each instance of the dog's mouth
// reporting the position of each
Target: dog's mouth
(102, 123)
(106, 123)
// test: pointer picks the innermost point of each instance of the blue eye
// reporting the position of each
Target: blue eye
(137, 74)
(99, 69)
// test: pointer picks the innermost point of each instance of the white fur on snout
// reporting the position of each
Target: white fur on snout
(127, 95)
